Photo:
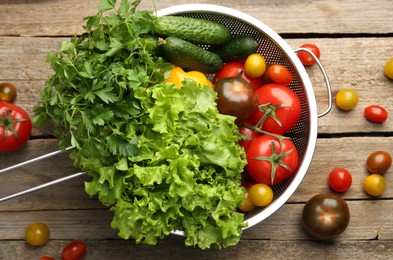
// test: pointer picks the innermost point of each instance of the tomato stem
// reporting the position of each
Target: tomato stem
(258, 130)
(7, 122)
(275, 159)
(269, 110)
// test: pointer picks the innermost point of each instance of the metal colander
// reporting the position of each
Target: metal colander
(275, 50)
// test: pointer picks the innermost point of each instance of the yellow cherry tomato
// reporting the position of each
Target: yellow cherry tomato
(261, 194)
(178, 75)
(374, 184)
(347, 99)
(37, 234)
(388, 69)
(255, 65)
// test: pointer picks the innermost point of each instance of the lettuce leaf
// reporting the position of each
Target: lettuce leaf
(185, 176)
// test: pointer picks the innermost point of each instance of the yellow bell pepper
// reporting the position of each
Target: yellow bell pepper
(178, 75)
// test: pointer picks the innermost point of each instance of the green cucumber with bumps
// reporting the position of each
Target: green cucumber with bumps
(190, 56)
(198, 31)
(238, 48)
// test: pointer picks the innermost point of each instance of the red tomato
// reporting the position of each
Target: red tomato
(235, 97)
(278, 73)
(233, 69)
(340, 179)
(270, 161)
(376, 114)
(306, 58)
(15, 127)
(74, 251)
(248, 135)
(278, 109)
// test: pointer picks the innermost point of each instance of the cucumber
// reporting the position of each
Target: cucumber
(199, 31)
(190, 56)
(238, 48)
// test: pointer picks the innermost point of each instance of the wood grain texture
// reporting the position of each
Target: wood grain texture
(174, 249)
(355, 40)
(48, 18)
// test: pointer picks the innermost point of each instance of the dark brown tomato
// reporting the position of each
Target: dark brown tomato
(325, 216)
(235, 97)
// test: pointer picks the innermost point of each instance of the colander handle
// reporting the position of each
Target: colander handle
(328, 87)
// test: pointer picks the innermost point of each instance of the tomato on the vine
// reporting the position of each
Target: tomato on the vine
(379, 162)
(270, 160)
(376, 114)
(279, 74)
(74, 251)
(278, 110)
(347, 99)
(261, 194)
(306, 58)
(248, 136)
(15, 127)
(374, 185)
(235, 97)
(7, 92)
(340, 179)
(236, 69)
(325, 216)
(37, 234)
(255, 65)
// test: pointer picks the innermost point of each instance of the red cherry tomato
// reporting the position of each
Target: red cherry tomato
(279, 74)
(47, 258)
(376, 114)
(281, 106)
(270, 161)
(306, 58)
(340, 179)
(234, 69)
(74, 251)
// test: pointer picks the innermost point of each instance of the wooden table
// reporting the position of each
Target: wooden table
(355, 38)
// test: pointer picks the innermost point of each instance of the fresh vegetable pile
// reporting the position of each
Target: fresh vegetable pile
(162, 157)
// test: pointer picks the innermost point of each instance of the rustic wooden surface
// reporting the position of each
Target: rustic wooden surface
(355, 38)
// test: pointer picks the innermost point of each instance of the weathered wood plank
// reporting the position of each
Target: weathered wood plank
(369, 220)
(26, 68)
(350, 153)
(246, 249)
(53, 18)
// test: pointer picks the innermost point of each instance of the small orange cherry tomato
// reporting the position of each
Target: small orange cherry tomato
(279, 74)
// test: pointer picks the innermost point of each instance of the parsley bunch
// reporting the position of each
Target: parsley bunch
(162, 158)
(96, 74)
